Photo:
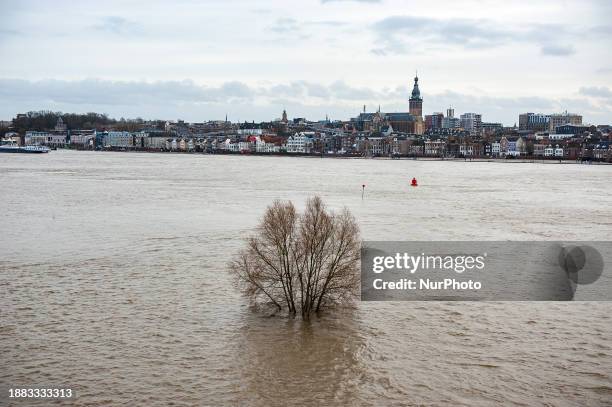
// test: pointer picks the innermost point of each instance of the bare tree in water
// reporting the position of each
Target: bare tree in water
(301, 263)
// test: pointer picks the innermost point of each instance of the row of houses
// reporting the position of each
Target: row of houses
(322, 142)
(239, 142)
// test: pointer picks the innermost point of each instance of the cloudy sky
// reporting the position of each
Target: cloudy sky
(200, 60)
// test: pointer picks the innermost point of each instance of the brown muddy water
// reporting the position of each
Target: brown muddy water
(112, 283)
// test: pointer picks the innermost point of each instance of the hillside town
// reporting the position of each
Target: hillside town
(555, 136)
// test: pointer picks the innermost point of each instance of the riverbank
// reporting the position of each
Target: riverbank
(360, 157)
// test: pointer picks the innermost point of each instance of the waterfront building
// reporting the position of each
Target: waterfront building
(36, 137)
(602, 151)
(118, 139)
(46, 138)
(82, 139)
(244, 146)
(538, 150)
(549, 151)
(466, 149)
(416, 150)
(521, 146)
(373, 146)
(300, 143)
(261, 146)
(154, 141)
(435, 148)
(495, 149)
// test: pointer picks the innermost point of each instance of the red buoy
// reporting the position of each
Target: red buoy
(414, 182)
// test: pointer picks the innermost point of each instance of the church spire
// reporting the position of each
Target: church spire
(416, 93)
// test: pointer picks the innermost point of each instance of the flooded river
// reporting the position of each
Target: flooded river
(112, 283)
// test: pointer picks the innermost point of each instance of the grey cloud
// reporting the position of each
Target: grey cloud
(141, 98)
(602, 30)
(318, 91)
(341, 90)
(557, 50)
(298, 89)
(465, 102)
(6, 32)
(398, 34)
(402, 34)
(122, 93)
(599, 92)
(103, 92)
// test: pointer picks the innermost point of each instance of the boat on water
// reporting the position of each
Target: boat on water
(9, 146)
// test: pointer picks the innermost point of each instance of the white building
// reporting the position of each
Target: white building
(118, 139)
(495, 148)
(263, 147)
(244, 146)
(52, 139)
(229, 146)
(254, 132)
(435, 148)
(466, 150)
(559, 136)
(549, 151)
(36, 137)
(172, 145)
(300, 143)
(83, 138)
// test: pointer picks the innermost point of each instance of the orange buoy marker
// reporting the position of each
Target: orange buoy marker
(414, 183)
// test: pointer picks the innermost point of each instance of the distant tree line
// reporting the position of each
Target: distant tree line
(46, 120)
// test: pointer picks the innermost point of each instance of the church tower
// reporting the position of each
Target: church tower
(416, 107)
(416, 101)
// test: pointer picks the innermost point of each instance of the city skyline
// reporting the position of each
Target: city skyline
(325, 58)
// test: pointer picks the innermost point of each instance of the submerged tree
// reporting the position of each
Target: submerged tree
(301, 263)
